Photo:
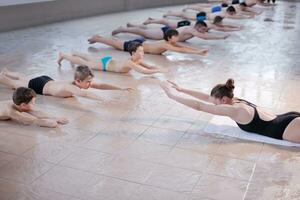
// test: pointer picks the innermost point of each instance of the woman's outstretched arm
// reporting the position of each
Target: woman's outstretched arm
(223, 110)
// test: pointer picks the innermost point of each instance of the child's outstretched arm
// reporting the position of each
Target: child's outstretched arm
(103, 86)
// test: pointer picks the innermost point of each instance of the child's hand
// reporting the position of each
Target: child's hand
(204, 52)
(164, 70)
(128, 89)
(62, 120)
(226, 36)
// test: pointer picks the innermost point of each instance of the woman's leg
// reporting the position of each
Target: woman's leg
(113, 42)
(292, 131)
(77, 60)
(155, 34)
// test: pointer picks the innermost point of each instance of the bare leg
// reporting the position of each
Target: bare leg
(161, 21)
(76, 60)
(184, 15)
(113, 42)
(292, 131)
(173, 14)
(136, 25)
(13, 75)
(12, 83)
(192, 7)
(155, 34)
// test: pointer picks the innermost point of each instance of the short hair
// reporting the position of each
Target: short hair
(224, 5)
(170, 33)
(203, 14)
(218, 19)
(82, 72)
(133, 46)
(23, 95)
(231, 9)
(243, 4)
(200, 24)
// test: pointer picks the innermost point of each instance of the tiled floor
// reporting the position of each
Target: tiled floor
(143, 145)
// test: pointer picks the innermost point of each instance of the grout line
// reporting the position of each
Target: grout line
(249, 182)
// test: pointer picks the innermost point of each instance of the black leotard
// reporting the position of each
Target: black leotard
(273, 128)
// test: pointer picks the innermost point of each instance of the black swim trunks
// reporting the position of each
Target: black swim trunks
(235, 2)
(165, 29)
(38, 83)
(127, 43)
(183, 23)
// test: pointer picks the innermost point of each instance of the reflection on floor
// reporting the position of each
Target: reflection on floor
(143, 145)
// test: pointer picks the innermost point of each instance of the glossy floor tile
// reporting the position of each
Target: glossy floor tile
(142, 145)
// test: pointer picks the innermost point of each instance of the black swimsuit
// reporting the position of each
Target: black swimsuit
(129, 42)
(273, 128)
(165, 29)
(38, 84)
(183, 23)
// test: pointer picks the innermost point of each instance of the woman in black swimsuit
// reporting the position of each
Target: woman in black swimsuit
(248, 116)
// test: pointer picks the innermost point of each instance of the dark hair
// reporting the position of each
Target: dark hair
(23, 95)
(82, 72)
(231, 9)
(218, 19)
(223, 90)
(170, 33)
(243, 4)
(201, 14)
(133, 46)
(224, 5)
(200, 23)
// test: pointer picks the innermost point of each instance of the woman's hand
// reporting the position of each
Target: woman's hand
(175, 86)
(166, 86)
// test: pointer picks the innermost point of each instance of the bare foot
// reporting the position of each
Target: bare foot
(4, 71)
(129, 24)
(60, 58)
(93, 39)
(148, 21)
(72, 64)
(167, 14)
(117, 31)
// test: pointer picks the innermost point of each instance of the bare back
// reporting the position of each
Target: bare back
(6, 107)
(119, 66)
(58, 89)
(155, 47)
(245, 113)
(185, 33)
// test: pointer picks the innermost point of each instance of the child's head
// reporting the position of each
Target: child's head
(218, 20)
(201, 26)
(231, 10)
(243, 6)
(136, 50)
(24, 98)
(83, 77)
(201, 16)
(171, 35)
